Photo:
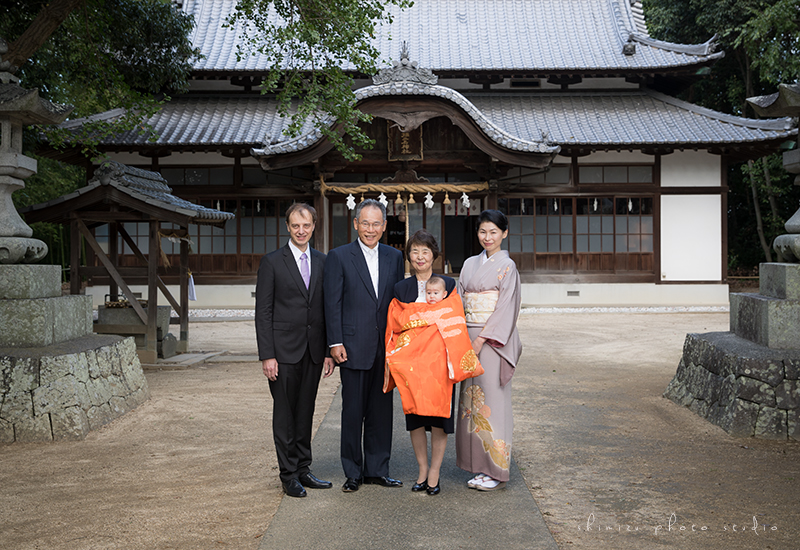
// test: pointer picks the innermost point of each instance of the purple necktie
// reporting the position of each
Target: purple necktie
(305, 272)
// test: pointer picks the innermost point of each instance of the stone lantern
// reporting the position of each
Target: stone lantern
(58, 380)
(785, 102)
(19, 107)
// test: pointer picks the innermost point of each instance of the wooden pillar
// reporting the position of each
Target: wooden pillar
(74, 258)
(183, 314)
(150, 352)
(491, 202)
(319, 231)
(113, 237)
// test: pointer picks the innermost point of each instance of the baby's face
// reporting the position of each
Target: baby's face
(434, 294)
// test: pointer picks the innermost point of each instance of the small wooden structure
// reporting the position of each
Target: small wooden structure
(117, 194)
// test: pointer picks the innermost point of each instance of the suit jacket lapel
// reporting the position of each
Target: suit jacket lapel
(383, 270)
(291, 265)
(361, 267)
(315, 273)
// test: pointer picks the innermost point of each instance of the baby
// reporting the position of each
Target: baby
(435, 290)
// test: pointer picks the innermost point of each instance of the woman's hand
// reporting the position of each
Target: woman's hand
(477, 344)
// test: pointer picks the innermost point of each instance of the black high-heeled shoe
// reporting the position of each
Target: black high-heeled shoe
(419, 487)
(433, 490)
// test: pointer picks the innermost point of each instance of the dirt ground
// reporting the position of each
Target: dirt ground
(598, 446)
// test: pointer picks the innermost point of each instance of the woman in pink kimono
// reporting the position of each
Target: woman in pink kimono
(490, 288)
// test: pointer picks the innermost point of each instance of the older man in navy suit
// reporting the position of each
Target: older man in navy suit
(290, 329)
(359, 284)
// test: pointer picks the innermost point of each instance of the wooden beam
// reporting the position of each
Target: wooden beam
(112, 270)
(151, 342)
(113, 289)
(138, 253)
(110, 217)
(183, 311)
(125, 273)
(74, 258)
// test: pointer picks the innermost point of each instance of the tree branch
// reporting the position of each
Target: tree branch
(45, 24)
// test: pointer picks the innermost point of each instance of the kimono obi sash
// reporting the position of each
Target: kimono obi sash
(478, 306)
(427, 351)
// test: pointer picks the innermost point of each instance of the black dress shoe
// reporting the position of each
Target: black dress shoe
(385, 481)
(313, 482)
(293, 488)
(350, 485)
(419, 487)
(433, 490)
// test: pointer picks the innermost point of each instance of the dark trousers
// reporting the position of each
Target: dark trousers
(294, 394)
(366, 410)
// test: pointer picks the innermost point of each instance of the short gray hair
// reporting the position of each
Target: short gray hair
(374, 204)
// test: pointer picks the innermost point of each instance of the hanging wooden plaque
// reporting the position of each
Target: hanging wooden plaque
(404, 145)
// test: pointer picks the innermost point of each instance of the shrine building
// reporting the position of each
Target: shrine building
(560, 113)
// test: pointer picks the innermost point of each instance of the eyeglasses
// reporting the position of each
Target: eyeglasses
(374, 226)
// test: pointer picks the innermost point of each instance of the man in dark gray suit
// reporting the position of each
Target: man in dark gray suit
(359, 284)
(290, 328)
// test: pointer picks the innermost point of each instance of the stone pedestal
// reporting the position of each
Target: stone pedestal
(747, 381)
(745, 388)
(58, 380)
(124, 320)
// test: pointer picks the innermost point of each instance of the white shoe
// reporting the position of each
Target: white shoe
(477, 480)
(490, 484)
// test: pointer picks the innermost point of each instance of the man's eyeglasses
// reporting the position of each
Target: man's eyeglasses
(374, 226)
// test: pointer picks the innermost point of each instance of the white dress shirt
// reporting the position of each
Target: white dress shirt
(371, 256)
(296, 252)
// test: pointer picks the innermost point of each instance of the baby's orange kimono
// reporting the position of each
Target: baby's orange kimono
(427, 351)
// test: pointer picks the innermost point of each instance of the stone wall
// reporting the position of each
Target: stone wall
(745, 388)
(63, 391)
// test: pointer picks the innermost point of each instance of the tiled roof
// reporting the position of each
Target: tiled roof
(145, 186)
(612, 118)
(214, 120)
(621, 118)
(534, 144)
(461, 36)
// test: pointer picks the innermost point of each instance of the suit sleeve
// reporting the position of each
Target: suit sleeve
(450, 284)
(333, 291)
(265, 295)
(401, 268)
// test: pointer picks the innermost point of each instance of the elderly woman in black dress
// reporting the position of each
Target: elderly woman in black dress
(421, 251)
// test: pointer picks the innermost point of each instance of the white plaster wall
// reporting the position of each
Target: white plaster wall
(691, 238)
(623, 295)
(691, 169)
(539, 295)
(617, 157)
(181, 159)
(132, 159)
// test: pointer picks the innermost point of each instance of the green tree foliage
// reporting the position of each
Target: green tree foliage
(761, 39)
(126, 55)
(309, 46)
(107, 54)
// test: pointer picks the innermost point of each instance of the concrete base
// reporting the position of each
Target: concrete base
(743, 387)
(533, 294)
(120, 316)
(62, 391)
